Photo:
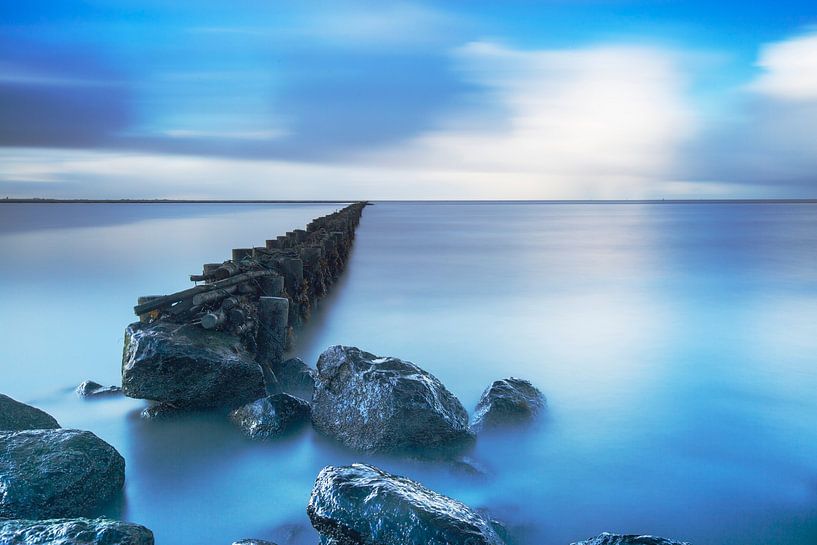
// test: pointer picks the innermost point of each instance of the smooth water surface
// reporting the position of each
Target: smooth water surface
(676, 343)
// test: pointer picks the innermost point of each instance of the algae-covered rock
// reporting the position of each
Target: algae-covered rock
(73, 531)
(295, 377)
(57, 473)
(362, 505)
(384, 404)
(188, 366)
(506, 402)
(271, 416)
(16, 416)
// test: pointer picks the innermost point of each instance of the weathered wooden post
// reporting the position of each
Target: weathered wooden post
(241, 253)
(272, 286)
(273, 320)
(146, 299)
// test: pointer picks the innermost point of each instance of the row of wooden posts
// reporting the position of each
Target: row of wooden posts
(261, 293)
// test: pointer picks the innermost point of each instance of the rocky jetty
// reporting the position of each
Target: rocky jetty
(89, 388)
(271, 416)
(295, 377)
(507, 402)
(188, 366)
(384, 404)
(253, 542)
(76, 531)
(360, 504)
(619, 539)
(252, 303)
(56, 473)
(16, 416)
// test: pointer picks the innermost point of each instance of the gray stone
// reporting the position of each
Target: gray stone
(385, 404)
(89, 388)
(271, 416)
(57, 473)
(508, 401)
(360, 504)
(16, 416)
(295, 377)
(619, 539)
(188, 366)
(78, 531)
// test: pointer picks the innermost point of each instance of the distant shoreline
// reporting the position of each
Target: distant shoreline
(534, 201)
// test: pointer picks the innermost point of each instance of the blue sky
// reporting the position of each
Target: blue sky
(513, 99)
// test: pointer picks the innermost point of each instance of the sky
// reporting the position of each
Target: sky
(513, 99)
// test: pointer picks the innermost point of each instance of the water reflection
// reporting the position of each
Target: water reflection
(675, 344)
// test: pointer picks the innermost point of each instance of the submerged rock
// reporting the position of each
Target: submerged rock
(159, 411)
(619, 539)
(78, 531)
(508, 401)
(56, 473)
(16, 416)
(295, 377)
(253, 542)
(360, 504)
(89, 388)
(271, 416)
(384, 404)
(188, 366)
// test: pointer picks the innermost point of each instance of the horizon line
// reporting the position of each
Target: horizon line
(45, 200)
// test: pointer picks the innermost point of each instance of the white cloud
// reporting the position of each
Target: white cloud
(789, 69)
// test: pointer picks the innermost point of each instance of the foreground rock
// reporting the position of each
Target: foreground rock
(384, 404)
(360, 504)
(295, 377)
(16, 416)
(78, 531)
(187, 366)
(618, 539)
(271, 416)
(56, 473)
(508, 401)
(89, 388)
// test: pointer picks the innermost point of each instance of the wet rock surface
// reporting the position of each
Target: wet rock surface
(509, 401)
(253, 542)
(295, 377)
(16, 416)
(360, 504)
(619, 539)
(385, 404)
(271, 416)
(77, 531)
(188, 366)
(57, 473)
(89, 388)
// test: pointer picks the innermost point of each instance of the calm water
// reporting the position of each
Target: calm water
(677, 346)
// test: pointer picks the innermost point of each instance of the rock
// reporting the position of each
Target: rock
(360, 504)
(89, 388)
(271, 416)
(188, 366)
(295, 377)
(253, 542)
(160, 411)
(57, 473)
(384, 404)
(619, 539)
(16, 416)
(508, 401)
(78, 531)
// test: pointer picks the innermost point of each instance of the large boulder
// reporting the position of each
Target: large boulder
(508, 401)
(360, 504)
(619, 539)
(78, 531)
(89, 388)
(271, 416)
(188, 366)
(16, 416)
(384, 404)
(295, 377)
(57, 473)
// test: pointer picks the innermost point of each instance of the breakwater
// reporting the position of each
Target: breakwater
(248, 308)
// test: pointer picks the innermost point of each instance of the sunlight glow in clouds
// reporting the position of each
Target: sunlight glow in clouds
(790, 69)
